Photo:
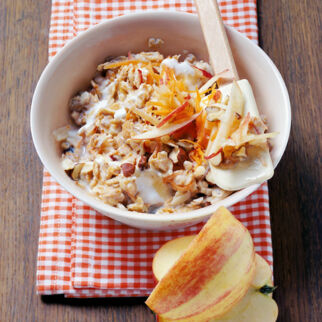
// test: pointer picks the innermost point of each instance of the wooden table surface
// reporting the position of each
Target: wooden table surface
(290, 34)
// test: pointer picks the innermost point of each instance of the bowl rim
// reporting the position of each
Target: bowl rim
(96, 203)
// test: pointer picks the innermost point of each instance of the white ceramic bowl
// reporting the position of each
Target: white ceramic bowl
(74, 66)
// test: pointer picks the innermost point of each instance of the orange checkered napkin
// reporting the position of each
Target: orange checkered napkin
(84, 254)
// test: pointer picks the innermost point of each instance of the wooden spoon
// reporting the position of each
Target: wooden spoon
(242, 101)
(216, 39)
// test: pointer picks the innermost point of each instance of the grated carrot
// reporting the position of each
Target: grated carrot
(198, 99)
(156, 103)
(123, 63)
(154, 75)
(197, 155)
(161, 112)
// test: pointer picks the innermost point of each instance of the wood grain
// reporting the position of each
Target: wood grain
(220, 55)
(289, 33)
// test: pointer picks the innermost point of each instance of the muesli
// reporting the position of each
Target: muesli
(143, 134)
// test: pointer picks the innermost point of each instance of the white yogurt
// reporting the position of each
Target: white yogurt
(183, 68)
(92, 113)
(120, 113)
(151, 188)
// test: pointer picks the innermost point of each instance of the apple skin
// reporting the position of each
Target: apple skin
(253, 307)
(170, 252)
(172, 114)
(212, 274)
(165, 130)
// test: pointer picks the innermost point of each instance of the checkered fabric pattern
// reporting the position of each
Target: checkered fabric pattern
(84, 254)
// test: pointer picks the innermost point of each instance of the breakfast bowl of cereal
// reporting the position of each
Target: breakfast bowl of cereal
(130, 118)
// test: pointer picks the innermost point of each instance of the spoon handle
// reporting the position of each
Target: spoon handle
(220, 54)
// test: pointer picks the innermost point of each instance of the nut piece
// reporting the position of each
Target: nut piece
(182, 156)
(77, 170)
(127, 169)
(143, 162)
(160, 162)
(178, 155)
(199, 172)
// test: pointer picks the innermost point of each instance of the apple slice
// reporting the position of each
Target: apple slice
(253, 307)
(219, 77)
(263, 273)
(158, 132)
(172, 114)
(211, 275)
(168, 254)
(204, 72)
(235, 106)
(258, 167)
